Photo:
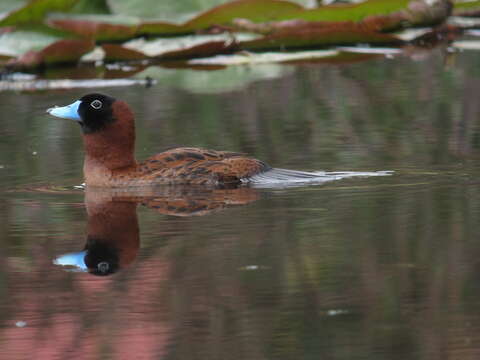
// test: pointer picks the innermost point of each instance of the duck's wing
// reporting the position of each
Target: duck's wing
(201, 166)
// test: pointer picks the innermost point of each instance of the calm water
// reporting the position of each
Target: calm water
(364, 268)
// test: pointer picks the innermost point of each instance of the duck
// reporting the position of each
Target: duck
(108, 129)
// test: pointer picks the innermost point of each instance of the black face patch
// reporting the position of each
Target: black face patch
(95, 112)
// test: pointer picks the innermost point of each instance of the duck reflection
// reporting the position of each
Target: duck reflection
(113, 238)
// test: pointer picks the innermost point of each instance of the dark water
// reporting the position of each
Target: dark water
(364, 268)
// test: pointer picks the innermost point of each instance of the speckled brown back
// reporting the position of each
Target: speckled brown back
(194, 166)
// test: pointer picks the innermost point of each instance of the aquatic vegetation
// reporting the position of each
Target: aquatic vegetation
(277, 24)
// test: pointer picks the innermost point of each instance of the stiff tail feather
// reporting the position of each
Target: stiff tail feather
(283, 177)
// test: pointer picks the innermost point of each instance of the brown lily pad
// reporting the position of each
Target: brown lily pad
(318, 35)
(202, 50)
(62, 51)
(96, 30)
(115, 52)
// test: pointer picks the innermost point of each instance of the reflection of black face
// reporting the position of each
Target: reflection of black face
(101, 258)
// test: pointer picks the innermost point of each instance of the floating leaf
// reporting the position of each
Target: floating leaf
(466, 8)
(35, 11)
(96, 30)
(62, 51)
(378, 15)
(343, 57)
(314, 36)
(370, 50)
(167, 10)
(115, 52)
(351, 12)
(202, 50)
(188, 46)
(251, 58)
(162, 10)
(91, 7)
(254, 10)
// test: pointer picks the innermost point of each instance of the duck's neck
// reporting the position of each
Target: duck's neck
(111, 149)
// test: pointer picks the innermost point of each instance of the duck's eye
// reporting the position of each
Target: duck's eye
(96, 104)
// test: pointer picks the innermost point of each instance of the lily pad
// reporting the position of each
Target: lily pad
(378, 15)
(251, 58)
(190, 46)
(466, 8)
(254, 10)
(312, 36)
(351, 12)
(168, 10)
(62, 51)
(95, 30)
(116, 52)
(35, 11)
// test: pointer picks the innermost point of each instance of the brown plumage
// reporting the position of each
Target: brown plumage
(198, 166)
(109, 140)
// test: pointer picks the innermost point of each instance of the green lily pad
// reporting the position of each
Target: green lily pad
(351, 12)
(466, 8)
(179, 11)
(254, 10)
(35, 11)
(378, 15)
(91, 7)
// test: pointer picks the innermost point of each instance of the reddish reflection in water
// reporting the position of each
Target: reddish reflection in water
(112, 227)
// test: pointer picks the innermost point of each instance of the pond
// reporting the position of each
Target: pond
(360, 268)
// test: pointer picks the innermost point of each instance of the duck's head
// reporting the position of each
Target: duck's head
(94, 112)
(108, 130)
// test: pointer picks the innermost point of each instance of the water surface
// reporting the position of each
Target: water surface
(361, 268)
